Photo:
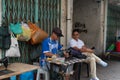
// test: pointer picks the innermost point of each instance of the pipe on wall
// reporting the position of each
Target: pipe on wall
(102, 20)
(63, 40)
(105, 23)
(69, 19)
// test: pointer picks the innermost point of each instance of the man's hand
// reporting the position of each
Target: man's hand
(66, 55)
(90, 50)
(49, 54)
(85, 49)
(54, 56)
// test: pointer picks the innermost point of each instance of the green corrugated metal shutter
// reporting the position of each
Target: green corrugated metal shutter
(45, 13)
(113, 24)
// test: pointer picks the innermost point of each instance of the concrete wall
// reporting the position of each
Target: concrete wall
(88, 12)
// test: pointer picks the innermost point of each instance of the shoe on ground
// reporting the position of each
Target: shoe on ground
(71, 72)
(96, 78)
(103, 63)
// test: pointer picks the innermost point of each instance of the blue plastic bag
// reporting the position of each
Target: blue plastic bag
(27, 76)
(13, 78)
(16, 28)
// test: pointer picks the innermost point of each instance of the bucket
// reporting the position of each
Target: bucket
(118, 46)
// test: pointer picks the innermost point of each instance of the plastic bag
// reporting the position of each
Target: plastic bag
(5, 38)
(16, 28)
(13, 51)
(27, 76)
(26, 35)
(37, 34)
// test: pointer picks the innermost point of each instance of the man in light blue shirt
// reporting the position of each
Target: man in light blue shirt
(50, 45)
(50, 48)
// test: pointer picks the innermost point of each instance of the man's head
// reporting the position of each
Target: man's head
(56, 33)
(75, 34)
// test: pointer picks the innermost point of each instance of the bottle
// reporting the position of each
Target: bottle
(41, 60)
(43, 64)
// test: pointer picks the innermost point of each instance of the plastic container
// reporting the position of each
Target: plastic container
(27, 76)
(118, 46)
(111, 47)
(13, 78)
(42, 62)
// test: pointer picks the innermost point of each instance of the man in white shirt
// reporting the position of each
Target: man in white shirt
(79, 45)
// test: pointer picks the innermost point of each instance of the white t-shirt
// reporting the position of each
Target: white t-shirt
(73, 43)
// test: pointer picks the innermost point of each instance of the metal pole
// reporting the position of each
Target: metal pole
(36, 11)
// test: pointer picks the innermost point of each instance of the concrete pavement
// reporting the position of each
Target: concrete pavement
(112, 72)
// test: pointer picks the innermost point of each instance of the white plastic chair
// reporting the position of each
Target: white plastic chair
(45, 73)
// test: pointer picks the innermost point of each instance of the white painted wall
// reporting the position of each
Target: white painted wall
(63, 22)
(66, 21)
(69, 19)
(105, 4)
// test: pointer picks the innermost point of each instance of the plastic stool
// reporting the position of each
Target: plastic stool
(45, 74)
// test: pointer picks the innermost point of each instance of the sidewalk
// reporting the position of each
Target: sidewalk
(112, 72)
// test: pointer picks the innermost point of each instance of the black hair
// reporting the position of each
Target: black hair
(75, 30)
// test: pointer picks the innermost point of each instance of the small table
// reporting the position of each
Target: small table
(17, 68)
(67, 63)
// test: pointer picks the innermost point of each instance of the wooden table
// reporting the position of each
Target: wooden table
(18, 69)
